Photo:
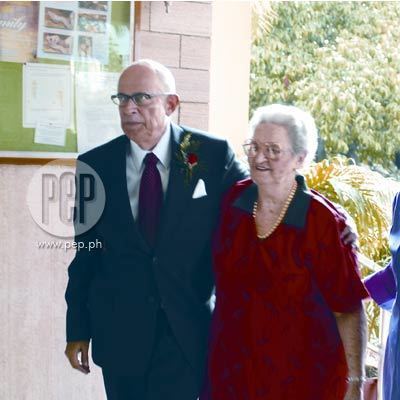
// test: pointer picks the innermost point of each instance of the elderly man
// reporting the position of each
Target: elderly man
(143, 299)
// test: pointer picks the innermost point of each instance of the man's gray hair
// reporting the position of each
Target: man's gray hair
(163, 73)
(299, 124)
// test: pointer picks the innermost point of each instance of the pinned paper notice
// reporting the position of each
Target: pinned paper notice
(46, 95)
(48, 133)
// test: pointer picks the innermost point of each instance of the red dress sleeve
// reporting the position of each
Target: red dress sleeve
(336, 268)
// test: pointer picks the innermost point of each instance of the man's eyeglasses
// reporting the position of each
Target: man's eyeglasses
(271, 151)
(140, 98)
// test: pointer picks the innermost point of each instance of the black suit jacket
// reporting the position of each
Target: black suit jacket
(114, 293)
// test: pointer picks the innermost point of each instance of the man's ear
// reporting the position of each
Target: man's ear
(172, 102)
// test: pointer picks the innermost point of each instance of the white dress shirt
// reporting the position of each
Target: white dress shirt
(135, 166)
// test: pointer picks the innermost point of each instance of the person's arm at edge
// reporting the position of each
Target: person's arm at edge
(381, 287)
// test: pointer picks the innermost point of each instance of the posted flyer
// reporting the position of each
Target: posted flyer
(74, 30)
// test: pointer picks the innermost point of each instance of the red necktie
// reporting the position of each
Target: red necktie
(150, 199)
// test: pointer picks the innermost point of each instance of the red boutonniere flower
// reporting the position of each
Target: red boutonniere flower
(192, 160)
(187, 156)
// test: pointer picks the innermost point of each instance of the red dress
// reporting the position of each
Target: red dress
(274, 334)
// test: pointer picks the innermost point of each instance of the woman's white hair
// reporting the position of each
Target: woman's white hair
(299, 125)
(163, 73)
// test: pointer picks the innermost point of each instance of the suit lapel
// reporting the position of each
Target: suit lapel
(179, 191)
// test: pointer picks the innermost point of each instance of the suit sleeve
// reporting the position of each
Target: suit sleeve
(80, 274)
(235, 170)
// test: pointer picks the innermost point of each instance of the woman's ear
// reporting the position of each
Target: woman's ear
(300, 159)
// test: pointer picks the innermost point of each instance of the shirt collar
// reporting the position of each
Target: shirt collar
(162, 150)
(297, 212)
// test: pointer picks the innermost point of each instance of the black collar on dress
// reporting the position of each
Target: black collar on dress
(297, 212)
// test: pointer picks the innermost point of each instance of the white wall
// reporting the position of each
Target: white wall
(230, 70)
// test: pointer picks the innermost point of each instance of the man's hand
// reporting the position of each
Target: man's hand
(349, 237)
(78, 355)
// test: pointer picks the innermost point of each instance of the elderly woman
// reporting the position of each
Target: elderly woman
(288, 322)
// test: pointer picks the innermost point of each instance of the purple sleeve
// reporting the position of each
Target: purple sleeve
(382, 287)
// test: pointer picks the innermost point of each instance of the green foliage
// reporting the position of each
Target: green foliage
(366, 196)
(341, 62)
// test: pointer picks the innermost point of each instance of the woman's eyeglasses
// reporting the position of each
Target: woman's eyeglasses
(271, 151)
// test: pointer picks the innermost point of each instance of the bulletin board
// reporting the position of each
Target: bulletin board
(23, 20)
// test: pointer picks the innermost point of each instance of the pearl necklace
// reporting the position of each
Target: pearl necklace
(281, 214)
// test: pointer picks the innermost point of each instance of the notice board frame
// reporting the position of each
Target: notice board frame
(11, 129)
